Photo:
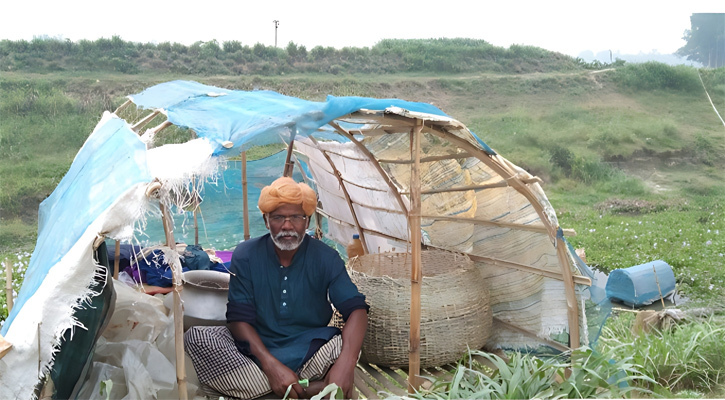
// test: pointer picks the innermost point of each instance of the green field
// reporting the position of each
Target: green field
(631, 157)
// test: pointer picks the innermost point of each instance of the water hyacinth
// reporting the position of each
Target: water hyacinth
(687, 238)
(19, 263)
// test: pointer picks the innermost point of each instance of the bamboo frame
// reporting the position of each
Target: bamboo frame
(383, 174)
(338, 175)
(160, 127)
(123, 106)
(347, 181)
(144, 121)
(416, 271)
(370, 231)
(510, 225)
(582, 280)
(497, 165)
(475, 221)
(506, 170)
(479, 187)
(456, 156)
(178, 310)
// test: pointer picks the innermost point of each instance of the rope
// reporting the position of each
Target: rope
(708, 97)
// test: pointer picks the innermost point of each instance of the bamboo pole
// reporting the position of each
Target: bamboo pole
(245, 199)
(196, 205)
(338, 175)
(144, 121)
(117, 259)
(416, 273)
(381, 171)
(288, 166)
(530, 334)
(196, 228)
(5, 346)
(571, 303)
(178, 311)
(582, 280)
(9, 284)
(123, 106)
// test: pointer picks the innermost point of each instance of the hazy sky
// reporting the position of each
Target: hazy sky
(569, 27)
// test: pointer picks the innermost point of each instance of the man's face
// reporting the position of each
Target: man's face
(287, 224)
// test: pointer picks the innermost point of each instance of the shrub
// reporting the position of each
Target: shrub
(655, 75)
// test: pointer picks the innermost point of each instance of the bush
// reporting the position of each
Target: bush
(655, 75)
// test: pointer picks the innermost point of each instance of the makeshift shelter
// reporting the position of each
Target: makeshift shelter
(404, 176)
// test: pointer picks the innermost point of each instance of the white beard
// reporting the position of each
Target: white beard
(287, 246)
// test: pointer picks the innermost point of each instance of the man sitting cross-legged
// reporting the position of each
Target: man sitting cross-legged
(280, 297)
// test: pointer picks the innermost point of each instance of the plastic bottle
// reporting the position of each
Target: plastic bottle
(355, 248)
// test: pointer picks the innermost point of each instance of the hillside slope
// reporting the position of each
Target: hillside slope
(569, 128)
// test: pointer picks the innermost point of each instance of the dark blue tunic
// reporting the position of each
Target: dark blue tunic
(290, 306)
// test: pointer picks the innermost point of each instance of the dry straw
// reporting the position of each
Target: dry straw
(455, 316)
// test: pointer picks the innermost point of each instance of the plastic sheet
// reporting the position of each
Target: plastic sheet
(136, 352)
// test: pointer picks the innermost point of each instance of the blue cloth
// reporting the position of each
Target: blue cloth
(289, 306)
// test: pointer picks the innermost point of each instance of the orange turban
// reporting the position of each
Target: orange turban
(286, 191)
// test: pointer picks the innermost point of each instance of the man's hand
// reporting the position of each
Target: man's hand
(280, 377)
(342, 373)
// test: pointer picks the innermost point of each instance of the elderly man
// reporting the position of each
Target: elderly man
(279, 310)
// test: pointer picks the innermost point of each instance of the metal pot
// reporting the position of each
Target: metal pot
(204, 298)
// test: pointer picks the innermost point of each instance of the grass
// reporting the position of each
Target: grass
(687, 357)
(638, 174)
(584, 373)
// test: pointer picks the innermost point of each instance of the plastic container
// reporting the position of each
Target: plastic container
(642, 284)
(355, 248)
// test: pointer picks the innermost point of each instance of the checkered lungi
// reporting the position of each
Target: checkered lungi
(224, 371)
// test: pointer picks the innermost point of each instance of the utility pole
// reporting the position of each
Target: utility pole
(276, 24)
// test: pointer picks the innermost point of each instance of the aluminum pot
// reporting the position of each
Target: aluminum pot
(204, 298)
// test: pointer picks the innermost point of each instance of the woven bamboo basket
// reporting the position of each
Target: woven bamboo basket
(455, 310)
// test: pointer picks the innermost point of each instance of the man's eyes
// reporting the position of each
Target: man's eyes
(294, 218)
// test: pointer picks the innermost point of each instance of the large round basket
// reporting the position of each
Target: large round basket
(455, 310)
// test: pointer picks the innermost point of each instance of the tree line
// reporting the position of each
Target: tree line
(47, 55)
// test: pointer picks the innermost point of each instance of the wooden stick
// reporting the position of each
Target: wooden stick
(572, 311)
(140, 124)
(178, 311)
(338, 175)
(381, 171)
(530, 334)
(5, 347)
(582, 280)
(245, 200)
(9, 284)
(123, 106)
(659, 289)
(288, 166)
(117, 259)
(533, 179)
(455, 156)
(499, 165)
(510, 225)
(416, 270)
